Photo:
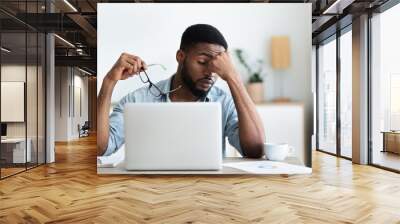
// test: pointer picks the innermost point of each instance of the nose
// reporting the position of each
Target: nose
(208, 75)
(211, 76)
(208, 72)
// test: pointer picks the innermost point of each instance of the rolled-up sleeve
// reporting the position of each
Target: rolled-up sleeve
(232, 126)
(116, 122)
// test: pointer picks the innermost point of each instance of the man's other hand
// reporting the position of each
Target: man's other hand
(126, 66)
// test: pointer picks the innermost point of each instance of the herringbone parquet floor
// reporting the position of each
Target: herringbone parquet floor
(70, 191)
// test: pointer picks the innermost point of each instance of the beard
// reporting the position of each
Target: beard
(188, 81)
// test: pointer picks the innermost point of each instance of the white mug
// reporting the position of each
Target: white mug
(277, 152)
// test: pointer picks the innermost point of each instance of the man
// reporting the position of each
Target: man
(201, 58)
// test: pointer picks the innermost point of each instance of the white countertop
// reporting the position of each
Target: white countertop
(236, 166)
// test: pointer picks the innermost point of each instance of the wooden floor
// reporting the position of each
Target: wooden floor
(70, 191)
(5, 172)
(10, 171)
(387, 159)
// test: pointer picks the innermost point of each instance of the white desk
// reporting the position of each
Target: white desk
(18, 150)
(283, 123)
(119, 169)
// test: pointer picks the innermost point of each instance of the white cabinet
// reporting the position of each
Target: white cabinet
(17, 148)
(283, 123)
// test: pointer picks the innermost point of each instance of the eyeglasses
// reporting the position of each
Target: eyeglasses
(153, 88)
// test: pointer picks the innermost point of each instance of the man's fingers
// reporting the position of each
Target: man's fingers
(137, 60)
(136, 68)
(129, 65)
(139, 64)
(129, 59)
(128, 68)
(144, 65)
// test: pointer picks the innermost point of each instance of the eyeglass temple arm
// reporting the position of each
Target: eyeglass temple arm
(161, 65)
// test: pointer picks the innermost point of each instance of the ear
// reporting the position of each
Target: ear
(180, 56)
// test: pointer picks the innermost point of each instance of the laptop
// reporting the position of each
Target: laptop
(173, 136)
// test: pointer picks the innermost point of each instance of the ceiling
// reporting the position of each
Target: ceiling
(76, 22)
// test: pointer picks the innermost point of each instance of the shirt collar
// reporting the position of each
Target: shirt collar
(166, 87)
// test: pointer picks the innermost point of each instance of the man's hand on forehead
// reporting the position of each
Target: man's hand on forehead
(222, 65)
(217, 53)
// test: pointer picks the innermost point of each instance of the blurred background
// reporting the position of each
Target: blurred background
(270, 45)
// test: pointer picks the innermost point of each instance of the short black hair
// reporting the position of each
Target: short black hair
(202, 33)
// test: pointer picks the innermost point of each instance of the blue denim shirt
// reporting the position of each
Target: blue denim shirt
(229, 115)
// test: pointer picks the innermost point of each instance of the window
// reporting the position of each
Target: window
(22, 65)
(346, 94)
(395, 101)
(327, 97)
(385, 89)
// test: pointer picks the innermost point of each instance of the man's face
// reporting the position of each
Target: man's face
(194, 68)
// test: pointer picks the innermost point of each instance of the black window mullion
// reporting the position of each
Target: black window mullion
(37, 91)
(338, 98)
(369, 90)
(44, 81)
(26, 86)
(317, 94)
(45, 93)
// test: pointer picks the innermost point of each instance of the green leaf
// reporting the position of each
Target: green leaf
(255, 78)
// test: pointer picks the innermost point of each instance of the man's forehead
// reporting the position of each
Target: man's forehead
(207, 49)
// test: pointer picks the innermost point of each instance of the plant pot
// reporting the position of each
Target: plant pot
(256, 91)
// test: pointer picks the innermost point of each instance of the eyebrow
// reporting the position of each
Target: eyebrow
(205, 54)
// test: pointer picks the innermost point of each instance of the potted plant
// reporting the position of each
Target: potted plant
(255, 86)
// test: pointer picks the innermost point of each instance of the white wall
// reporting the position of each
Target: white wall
(81, 83)
(17, 73)
(33, 127)
(66, 121)
(61, 103)
(153, 32)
